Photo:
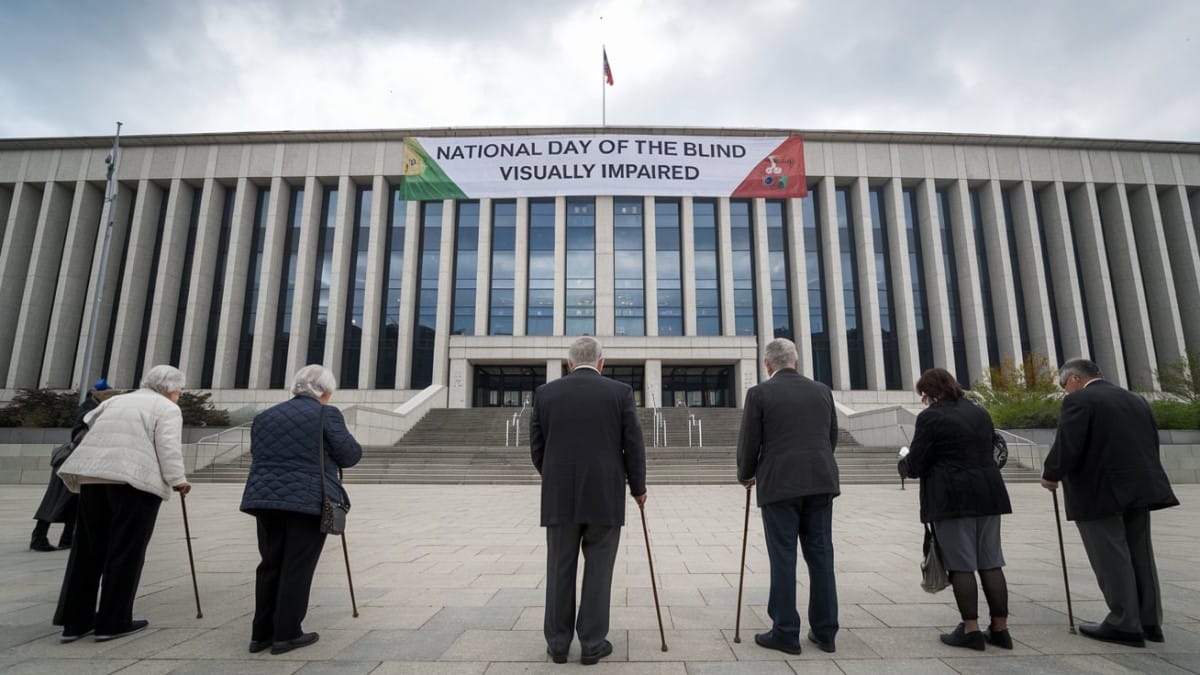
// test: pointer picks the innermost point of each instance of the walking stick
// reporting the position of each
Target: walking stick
(346, 556)
(1063, 554)
(737, 631)
(653, 584)
(187, 535)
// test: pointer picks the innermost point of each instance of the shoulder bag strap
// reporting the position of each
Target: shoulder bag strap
(321, 453)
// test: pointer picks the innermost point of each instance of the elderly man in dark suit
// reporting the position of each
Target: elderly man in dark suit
(586, 443)
(789, 431)
(1106, 456)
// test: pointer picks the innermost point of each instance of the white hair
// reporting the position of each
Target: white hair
(163, 379)
(313, 380)
(780, 353)
(585, 351)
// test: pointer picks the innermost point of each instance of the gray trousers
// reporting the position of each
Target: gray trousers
(563, 544)
(1123, 559)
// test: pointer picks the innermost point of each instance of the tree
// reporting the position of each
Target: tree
(1181, 377)
(1020, 396)
(199, 411)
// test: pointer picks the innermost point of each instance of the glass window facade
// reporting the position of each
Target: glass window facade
(393, 274)
(708, 277)
(287, 289)
(504, 267)
(356, 290)
(916, 270)
(741, 239)
(883, 290)
(185, 281)
(1048, 193)
(985, 278)
(669, 266)
(151, 289)
(1010, 229)
(629, 273)
(427, 294)
(218, 290)
(950, 265)
(540, 312)
(253, 279)
(466, 266)
(319, 318)
(581, 266)
(814, 263)
(1072, 227)
(848, 247)
(781, 272)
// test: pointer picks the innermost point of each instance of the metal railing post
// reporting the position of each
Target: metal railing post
(691, 423)
(700, 429)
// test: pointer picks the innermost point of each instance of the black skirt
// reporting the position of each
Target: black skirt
(58, 504)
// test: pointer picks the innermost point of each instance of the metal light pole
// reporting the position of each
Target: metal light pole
(110, 198)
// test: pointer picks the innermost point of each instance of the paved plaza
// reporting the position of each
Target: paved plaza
(449, 579)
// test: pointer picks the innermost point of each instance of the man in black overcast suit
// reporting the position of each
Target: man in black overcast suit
(789, 431)
(1106, 455)
(586, 443)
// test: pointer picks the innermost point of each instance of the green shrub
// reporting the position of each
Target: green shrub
(1020, 396)
(41, 408)
(1176, 414)
(1027, 414)
(198, 411)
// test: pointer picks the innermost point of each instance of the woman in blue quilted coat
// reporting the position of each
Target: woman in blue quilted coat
(283, 493)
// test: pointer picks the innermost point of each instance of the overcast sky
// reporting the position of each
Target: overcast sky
(1108, 69)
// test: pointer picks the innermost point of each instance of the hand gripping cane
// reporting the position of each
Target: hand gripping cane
(1062, 551)
(187, 535)
(346, 556)
(653, 584)
(737, 631)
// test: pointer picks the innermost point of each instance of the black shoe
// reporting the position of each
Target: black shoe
(71, 637)
(1104, 633)
(64, 542)
(285, 646)
(961, 638)
(1153, 633)
(557, 658)
(999, 638)
(41, 544)
(593, 658)
(257, 646)
(772, 641)
(135, 626)
(827, 647)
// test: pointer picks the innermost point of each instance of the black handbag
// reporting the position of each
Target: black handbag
(934, 576)
(333, 514)
(999, 449)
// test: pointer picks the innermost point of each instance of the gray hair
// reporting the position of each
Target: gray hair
(1084, 368)
(585, 351)
(163, 379)
(780, 353)
(314, 381)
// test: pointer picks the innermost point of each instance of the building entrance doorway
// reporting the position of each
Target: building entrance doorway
(634, 376)
(506, 386)
(697, 386)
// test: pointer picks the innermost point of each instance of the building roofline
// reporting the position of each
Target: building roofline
(376, 135)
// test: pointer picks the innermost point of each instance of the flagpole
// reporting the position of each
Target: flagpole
(110, 197)
(603, 91)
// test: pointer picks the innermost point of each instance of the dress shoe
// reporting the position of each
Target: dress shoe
(555, 657)
(285, 646)
(71, 637)
(1153, 633)
(999, 638)
(257, 646)
(1105, 633)
(827, 647)
(770, 640)
(64, 542)
(593, 658)
(135, 626)
(961, 638)
(41, 544)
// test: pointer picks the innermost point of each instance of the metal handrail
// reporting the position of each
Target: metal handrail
(218, 448)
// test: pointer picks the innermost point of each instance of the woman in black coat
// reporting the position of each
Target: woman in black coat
(963, 496)
(283, 493)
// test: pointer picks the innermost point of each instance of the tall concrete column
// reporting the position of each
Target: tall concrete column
(306, 268)
(798, 285)
(1060, 256)
(15, 254)
(970, 293)
(1133, 319)
(835, 300)
(747, 376)
(650, 243)
(521, 269)
(272, 267)
(762, 275)
(139, 259)
(459, 386)
(483, 268)
(941, 329)
(652, 381)
(688, 269)
(5, 204)
(554, 369)
(1032, 267)
(174, 235)
(237, 275)
(441, 339)
(1157, 274)
(408, 294)
(605, 270)
(867, 285)
(725, 266)
(70, 295)
(1179, 231)
(1001, 269)
(120, 233)
(342, 274)
(33, 317)
(377, 254)
(1097, 283)
(904, 321)
(208, 234)
(560, 264)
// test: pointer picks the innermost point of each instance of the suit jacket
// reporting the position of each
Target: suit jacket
(586, 442)
(789, 431)
(1106, 454)
(952, 454)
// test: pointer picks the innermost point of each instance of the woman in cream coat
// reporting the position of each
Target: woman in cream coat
(126, 466)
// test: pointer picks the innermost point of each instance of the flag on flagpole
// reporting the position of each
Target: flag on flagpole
(607, 71)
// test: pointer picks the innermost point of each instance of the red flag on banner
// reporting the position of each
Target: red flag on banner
(607, 70)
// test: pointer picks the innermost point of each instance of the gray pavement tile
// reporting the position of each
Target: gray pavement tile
(498, 645)
(744, 668)
(1189, 662)
(60, 666)
(518, 597)
(139, 646)
(917, 643)
(691, 618)
(338, 668)
(400, 645)
(849, 646)
(240, 667)
(429, 668)
(1147, 663)
(464, 618)
(12, 636)
(1041, 665)
(385, 618)
(894, 667)
(907, 616)
(603, 668)
(682, 645)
